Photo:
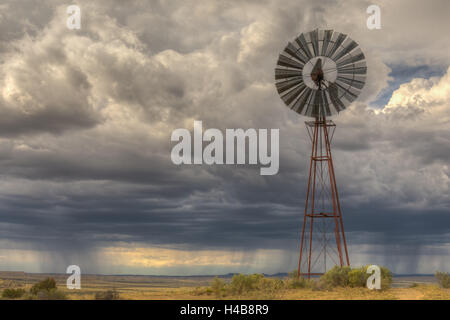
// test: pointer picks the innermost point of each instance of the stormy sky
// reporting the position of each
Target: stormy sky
(87, 115)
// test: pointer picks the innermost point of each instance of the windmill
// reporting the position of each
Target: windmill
(318, 75)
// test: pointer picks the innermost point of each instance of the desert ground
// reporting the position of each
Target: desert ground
(135, 287)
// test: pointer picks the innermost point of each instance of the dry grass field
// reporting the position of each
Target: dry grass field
(179, 288)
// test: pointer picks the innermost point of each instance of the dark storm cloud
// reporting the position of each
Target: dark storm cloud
(85, 153)
(99, 219)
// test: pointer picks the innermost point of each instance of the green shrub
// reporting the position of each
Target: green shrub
(209, 291)
(46, 290)
(358, 277)
(299, 283)
(13, 293)
(443, 279)
(241, 283)
(386, 278)
(336, 277)
(351, 277)
(45, 285)
(270, 288)
(270, 284)
(218, 287)
(295, 282)
(107, 295)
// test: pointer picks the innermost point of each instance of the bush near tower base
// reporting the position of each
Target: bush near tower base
(351, 277)
(443, 279)
(243, 285)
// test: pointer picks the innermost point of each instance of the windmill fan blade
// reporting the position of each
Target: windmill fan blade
(351, 59)
(348, 48)
(286, 85)
(326, 41)
(347, 92)
(340, 38)
(284, 74)
(288, 62)
(334, 96)
(301, 41)
(320, 73)
(315, 41)
(352, 82)
(302, 100)
(288, 98)
(291, 50)
(352, 70)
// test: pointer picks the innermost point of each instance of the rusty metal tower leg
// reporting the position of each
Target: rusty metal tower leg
(322, 217)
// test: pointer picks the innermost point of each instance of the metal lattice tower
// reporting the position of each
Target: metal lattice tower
(323, 240)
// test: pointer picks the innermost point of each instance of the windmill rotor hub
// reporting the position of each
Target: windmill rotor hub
(322, 76)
